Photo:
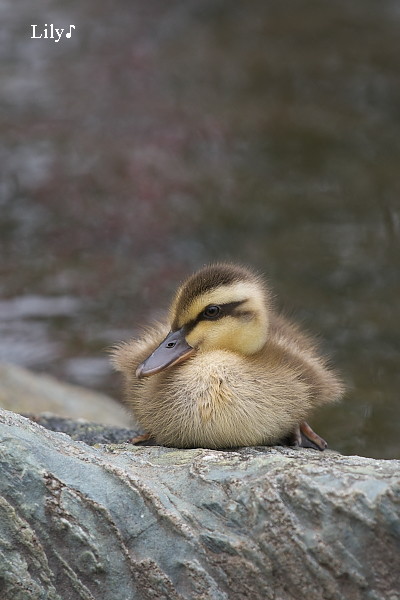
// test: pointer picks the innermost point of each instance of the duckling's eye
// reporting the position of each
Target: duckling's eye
(211, 312)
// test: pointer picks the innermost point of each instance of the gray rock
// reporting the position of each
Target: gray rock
(25, 392)
(84, 431)
(119, 522)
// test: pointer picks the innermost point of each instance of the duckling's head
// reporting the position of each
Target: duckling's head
(220, 307)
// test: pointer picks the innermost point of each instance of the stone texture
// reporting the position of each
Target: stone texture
(25, 392)
(118, 522)
(85, 431)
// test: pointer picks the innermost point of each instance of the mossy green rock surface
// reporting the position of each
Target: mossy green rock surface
(119, 522)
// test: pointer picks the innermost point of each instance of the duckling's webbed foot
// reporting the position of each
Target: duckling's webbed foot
(144, 437)
(305, 437)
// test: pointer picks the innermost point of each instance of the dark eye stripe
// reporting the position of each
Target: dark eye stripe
(226, 310)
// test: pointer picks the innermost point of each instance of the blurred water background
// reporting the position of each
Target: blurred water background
(164, 135)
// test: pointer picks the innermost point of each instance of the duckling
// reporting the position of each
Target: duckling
(225, 370)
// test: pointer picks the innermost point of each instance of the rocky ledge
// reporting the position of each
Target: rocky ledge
(120, 522)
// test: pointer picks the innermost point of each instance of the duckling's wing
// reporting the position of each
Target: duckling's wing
(302, 355)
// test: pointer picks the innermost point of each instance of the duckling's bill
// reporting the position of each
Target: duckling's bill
(172, 350)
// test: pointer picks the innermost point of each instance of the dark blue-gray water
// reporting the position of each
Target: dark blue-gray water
(163, 135)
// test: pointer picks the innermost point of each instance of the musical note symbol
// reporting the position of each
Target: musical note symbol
(68, 35)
